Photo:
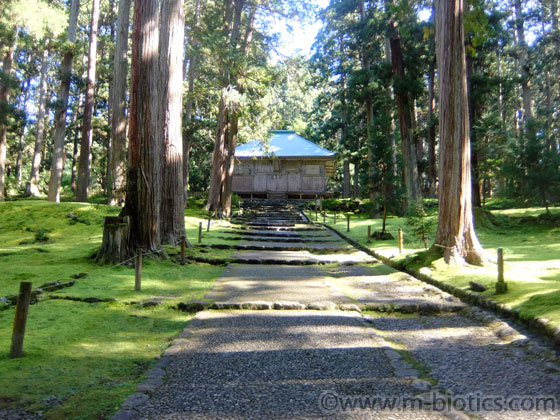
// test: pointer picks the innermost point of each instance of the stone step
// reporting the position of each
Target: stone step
(280, 238)
(274, 246)
(285, 228)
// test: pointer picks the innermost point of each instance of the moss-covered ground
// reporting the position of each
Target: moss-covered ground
(531, 246)
(81, 360)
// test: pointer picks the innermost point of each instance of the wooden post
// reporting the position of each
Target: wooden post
(501, 285)
(400, 241)
(200, 232)
(138, 270)
(335, 217)
(316, 218)
(369, 233)
(183, 248)
(20, 320)
(324, 217)
(208, 228)
(347, 223)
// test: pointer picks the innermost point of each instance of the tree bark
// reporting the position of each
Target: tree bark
(58, 157)
(242, 48)
(21, 142)
(172, 35)
(75, 156)
(143, 198)
(84, 163)
(226, 136)
(230, 164)
(370, 120)
(346, 180)
(455, 234)
(5, 98)
(356, 189)
(117, 163)
(187, 140)
(523, 63)
(473, 113)
(432, 158)
(218, 157)
(405, 114)
(32, 187)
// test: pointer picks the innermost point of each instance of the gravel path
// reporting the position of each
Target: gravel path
(246, 283)
(315, 364)
(466, 357)
(276, 365)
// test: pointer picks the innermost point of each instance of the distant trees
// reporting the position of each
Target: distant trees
(58, 157)
(117, 153)
(84, 165)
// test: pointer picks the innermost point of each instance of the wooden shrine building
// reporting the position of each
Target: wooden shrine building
(288, 166)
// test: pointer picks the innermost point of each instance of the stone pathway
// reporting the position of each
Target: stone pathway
(427, 350)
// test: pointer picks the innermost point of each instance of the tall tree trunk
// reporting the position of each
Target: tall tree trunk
(391, 127)
(432, 158)
(234, 108)
(356, 189)
(75, 136)
(187, 140)
(4, 99)
(555, 12)
(58, 157)
(344, 140)
(405, 113)
(346, 180)
(21, 141)
(143, 198)
(32, 187)
(500, 87)
(473, 112)
(455, 234)
(226, 135)
(523, 63)
(218, 156)
(117, 163)
(217, 175)
(230, 164)
(370, 119)
(84, 163)
(172, 35)
(75, 155)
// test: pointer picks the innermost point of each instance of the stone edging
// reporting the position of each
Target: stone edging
(540, 325)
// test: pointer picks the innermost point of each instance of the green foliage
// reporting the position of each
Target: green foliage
(41, 235)
(420, 223)
(340, 204)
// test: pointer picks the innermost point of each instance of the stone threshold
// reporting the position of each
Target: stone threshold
(424, 308)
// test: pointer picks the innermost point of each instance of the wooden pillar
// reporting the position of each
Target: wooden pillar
(20, 320)
(183, 248)
(138, 271)
(501, 285)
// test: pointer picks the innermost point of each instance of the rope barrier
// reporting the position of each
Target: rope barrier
(149, 253)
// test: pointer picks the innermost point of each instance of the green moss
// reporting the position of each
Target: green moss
(89, 356)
